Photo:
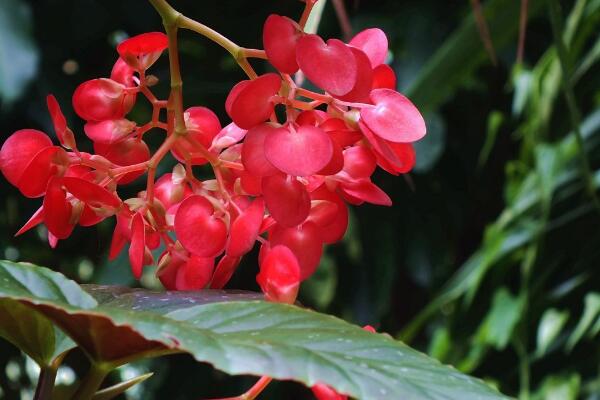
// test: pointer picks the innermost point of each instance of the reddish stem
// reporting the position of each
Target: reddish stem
(254, 391)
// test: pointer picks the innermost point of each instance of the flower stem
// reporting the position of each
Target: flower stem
(91, 382)
(45, 384)
(254, 391)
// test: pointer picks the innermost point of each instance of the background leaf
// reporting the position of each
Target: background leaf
(18, 52)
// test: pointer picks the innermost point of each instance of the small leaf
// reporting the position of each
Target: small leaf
(115, 390)
(590, 312)
(550, 326)
(500, 322)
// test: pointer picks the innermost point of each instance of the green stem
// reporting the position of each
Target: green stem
(567, 84)
(91, 382)
(45, 384)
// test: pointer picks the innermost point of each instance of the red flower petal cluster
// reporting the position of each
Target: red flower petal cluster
(285, 169)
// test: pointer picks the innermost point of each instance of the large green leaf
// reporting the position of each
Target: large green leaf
(242, 335)
(26, 328)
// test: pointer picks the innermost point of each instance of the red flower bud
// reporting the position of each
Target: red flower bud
(101, 99)
(279, 276)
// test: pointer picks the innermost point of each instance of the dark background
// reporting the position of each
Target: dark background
(491, 241)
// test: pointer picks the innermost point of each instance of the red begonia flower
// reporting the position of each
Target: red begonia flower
(279, 276)
(36, 219)
(394, 117)
(336, 163)
(365, 190)
(228, 136)
(137, 249)
(287, 200)
(101, 99)
(331, 66)
(128, 152)
(169, 192)
(359, 162)
(280, 35)
(49, 162)
(109, 131)
(245, 228)
(384, 77)
(63, 133)
(224, 270)
(304, 241)
(57, 210)
(121, 233)
(364, 79)
(253, 152)
(405, 153)
(299, 152)
(18, 151)
(331, 231)
(123, 73)
(249, 102)
(141, 51)
(91, 194)
(198, 229)
(324, 392)
(202, 125)
(195, 274)
(374, 43)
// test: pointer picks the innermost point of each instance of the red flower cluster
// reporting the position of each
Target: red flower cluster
(285, 168)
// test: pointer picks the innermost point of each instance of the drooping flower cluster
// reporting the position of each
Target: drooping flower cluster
(285, 168)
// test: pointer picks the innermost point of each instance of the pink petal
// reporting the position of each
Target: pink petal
(364, 79)
(331, 65)
(228, 136)
(57, 210)
(137, 249)
(225, 269)
(251, 104)
(245, 228)
(18, 151)
(374, 43)
(198, 230)
(384, 77)
(287, 199)
(366, 190)
(304, 241)
(90, 193)
(331, 231)
(49, 162)
(279, 276)
(109, 131)
(253, 151)
(394, 117)
(195, 273)
(36, 219)
(280, 35)
(301, 153)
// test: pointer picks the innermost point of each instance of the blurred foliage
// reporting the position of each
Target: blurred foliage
(488, 259)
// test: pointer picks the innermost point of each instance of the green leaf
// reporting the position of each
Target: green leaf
(499, 324)
(26, 328)
(454, 62)
(550, 327)
(115, 390)
(590, 312)
(559, 388)
(252, 337)
(18, 53)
